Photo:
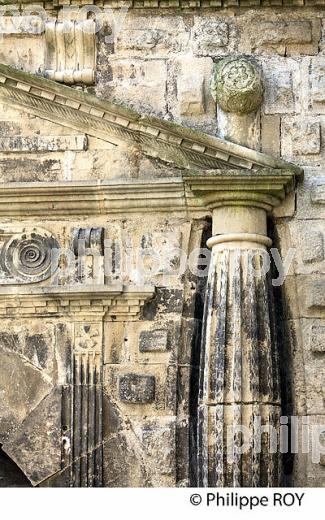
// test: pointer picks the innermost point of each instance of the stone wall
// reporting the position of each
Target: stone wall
(161, 63)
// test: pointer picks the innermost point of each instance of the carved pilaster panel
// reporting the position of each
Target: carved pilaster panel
(71, 51)
(83, 407)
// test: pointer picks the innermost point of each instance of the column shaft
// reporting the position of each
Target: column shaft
(239, 380)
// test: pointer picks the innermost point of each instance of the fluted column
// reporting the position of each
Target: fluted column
(239, 383)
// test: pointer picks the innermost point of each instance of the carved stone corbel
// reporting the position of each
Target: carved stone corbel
(238, 89)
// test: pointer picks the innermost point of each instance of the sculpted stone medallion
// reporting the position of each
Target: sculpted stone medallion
(237, 85)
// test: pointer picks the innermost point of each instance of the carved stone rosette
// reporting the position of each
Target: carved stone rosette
(28, 257)
(237, 85)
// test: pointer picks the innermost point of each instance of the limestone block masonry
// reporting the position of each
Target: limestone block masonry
(152, 161)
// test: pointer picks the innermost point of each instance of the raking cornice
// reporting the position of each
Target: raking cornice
(170, 142)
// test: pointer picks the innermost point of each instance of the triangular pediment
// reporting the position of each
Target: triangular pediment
(114, 123)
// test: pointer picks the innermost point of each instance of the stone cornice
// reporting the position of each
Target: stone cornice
(170, 142)
(168, 4)
(264, 189)
(194, 192)
(116, 302)
(65, 199)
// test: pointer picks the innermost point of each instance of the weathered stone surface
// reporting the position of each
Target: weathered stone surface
(29, 169)
(116, 337)
(209, 37)
(310, 296)
(39, 434)
(165, 36)
(317, 295)
(126, 468)
(274, 33)
(92, 164)
(136, 388)
(166, 300)
(156, 435)
(317, 84)
(270, 134)
(287, 37)
(311, 196)
(312, 247)
(305, 138)
(43, 144)
(189, 94)
(279, 90)
(136, 83)
(298, 34)
(318, 338)
(28, 57)
(317, 194)
(153, 341)
(22, 387)
(191, 97)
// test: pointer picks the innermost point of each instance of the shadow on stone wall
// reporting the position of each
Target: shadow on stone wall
(285, 349)
(10, 474)
(195, 364)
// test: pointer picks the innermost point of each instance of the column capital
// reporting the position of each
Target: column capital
(263, 189)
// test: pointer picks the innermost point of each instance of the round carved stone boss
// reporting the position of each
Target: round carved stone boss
(30, 256)
(237, 85)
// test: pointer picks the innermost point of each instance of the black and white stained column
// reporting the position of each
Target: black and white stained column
(239, 401)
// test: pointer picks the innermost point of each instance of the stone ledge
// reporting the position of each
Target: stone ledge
(181, 194)
(265, 189)
(116, 301)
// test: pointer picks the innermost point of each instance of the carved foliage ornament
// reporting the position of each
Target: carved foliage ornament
(29, 256)
(237, 85)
